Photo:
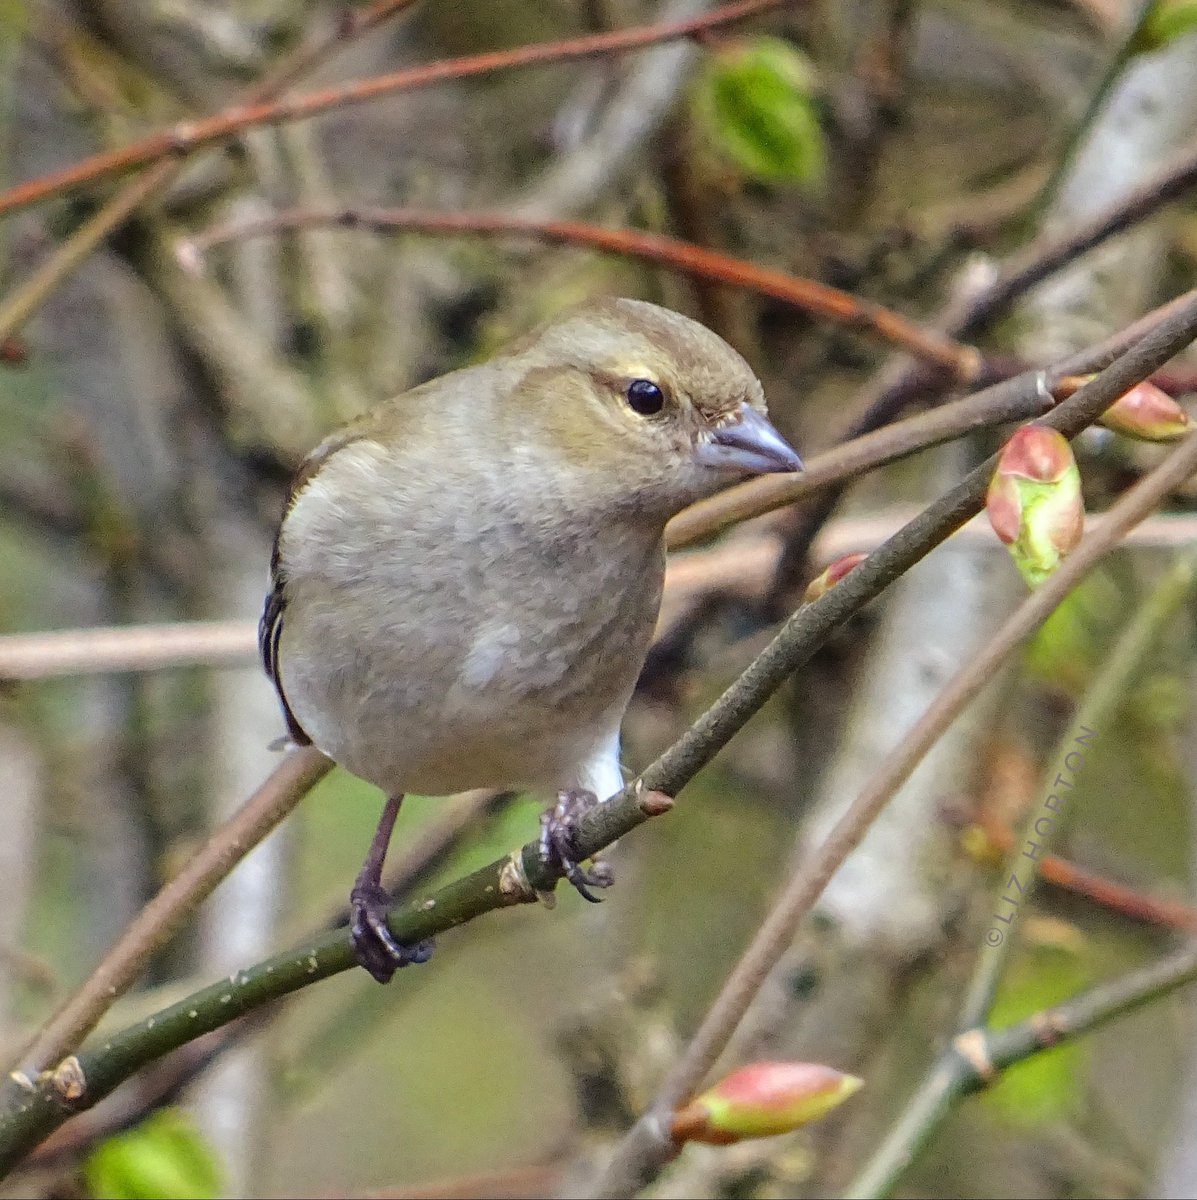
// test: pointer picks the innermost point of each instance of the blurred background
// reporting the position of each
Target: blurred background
(153, 408)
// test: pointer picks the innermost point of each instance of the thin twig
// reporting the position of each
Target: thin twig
(1065, 159)
(901, 380)
(742, 565)
(33, 292)
(632, 111)
(127, 648)
(234, 643)
(81, 1080)
(647, 1146)
(351, 24)
(287, 785)
(419, 858)
(976, 1058)
(189, 136)
(964, 363)
(1109, 685)
(1116, 897)
(933, 1097)
(1017, 395)
(1049, 253)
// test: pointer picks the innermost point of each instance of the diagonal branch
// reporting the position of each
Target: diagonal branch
(285, 787)
(935, 351)
(80, 1080)
(1119, 666)
(900, 380)
(977, 1056)
(647, 1146)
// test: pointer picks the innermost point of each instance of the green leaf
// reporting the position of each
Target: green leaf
(1049, 1086)
(1167, 20)
(756, 103)
(163, 1158)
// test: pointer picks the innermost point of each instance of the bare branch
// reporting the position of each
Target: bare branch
(189, 136)
(80, 1080)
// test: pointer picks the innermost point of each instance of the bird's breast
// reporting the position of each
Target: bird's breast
(486, 645)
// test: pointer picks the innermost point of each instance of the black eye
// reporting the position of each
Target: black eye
(645, 397)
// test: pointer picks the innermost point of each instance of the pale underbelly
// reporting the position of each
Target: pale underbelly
(463, 679)
(415, 752)
(391, 719)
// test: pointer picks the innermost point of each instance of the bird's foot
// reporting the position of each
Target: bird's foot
(373, 943)
(558, 828)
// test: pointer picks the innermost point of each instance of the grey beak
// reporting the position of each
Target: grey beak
(749, 445)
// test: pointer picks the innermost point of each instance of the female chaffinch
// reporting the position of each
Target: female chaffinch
(466, 578)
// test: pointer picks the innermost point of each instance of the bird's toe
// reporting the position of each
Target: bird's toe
(374, 946)
(558, 832)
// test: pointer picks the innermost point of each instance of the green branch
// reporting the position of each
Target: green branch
(79, 1081)
(976, 1058)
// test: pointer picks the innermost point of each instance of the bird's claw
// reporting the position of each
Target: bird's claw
(374, 945)
(558, 828)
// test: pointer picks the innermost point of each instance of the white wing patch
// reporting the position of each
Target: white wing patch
(492, 647)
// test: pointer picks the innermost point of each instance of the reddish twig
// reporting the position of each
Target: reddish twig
(1062, 873)
(34, 291)
(963, 362)
(188, 136)
(899, 381)
(1011, 399)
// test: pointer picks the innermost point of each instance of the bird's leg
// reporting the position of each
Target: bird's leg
(373, 942)
(558, 827)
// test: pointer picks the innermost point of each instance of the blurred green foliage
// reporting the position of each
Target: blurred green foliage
(1168, 19)
(756, 102)
(163, 1158)
(1052, 968)
(1071, 640)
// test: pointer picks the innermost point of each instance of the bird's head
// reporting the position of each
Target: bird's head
(644, 399)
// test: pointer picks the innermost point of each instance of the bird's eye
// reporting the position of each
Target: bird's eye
(645, 397)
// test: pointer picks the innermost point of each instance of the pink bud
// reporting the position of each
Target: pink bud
(834, 572)
(1149, 413)
(1037, 452)
(1034, 500)
(762, 1100)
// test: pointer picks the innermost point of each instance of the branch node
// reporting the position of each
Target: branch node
(654, 804)
(188, 255)
(973, 1047)
(659, 1127)
(1047, 1027)
(68, 1081)
(181, 138)
(971, 364)
(514, 886)
(1043, 391)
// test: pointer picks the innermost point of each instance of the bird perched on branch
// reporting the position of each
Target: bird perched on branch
(466, 578)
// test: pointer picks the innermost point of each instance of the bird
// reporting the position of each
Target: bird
(465, 579)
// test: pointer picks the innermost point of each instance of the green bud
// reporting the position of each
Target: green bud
(1034, 501)
(763, 1100)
